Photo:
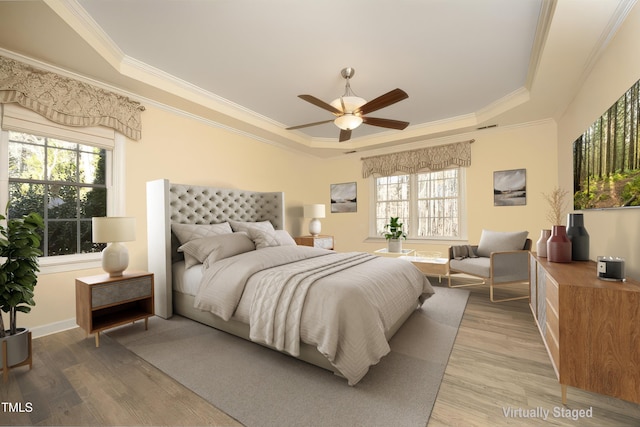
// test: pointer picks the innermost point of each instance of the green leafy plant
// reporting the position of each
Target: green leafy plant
(393, 230)
(19, 249)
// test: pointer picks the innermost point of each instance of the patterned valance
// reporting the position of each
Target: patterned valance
(66, 101)
(430, 158)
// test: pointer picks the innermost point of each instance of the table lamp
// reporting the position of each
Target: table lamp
(315, 212)
(114, 230)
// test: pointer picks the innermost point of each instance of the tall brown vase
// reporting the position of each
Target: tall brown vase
(559, 245)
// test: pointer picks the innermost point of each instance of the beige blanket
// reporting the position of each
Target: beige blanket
(345, 314)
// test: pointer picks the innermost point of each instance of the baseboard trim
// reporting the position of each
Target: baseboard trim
(52, 328)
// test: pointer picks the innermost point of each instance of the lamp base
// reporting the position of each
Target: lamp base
(115, 259)
(314, 227)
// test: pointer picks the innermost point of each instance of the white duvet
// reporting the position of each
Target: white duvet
(343, 304)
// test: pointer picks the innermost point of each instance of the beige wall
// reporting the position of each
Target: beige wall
(531, 147)
(612, 232)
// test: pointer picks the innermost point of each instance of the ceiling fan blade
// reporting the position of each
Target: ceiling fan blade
(385, 123)
(309, 124)
(320, 103)
(382, 101)
(345, 135)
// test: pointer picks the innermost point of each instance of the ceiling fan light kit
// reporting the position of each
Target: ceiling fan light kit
(350, 109)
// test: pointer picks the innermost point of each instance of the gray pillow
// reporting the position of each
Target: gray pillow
(214, 248)
(499, 241)
(265, 239)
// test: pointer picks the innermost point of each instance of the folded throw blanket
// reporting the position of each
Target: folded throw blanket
(463, 251)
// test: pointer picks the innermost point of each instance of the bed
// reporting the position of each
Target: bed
(222, 257)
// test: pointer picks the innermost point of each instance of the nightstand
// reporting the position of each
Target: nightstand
(319, 241)
(103, 302)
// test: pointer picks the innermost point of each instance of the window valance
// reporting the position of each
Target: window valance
(67, 101)
(429, 158)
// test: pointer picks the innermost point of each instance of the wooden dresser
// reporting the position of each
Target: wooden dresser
(591, 327)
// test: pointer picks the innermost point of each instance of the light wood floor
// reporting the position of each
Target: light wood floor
(498, 363)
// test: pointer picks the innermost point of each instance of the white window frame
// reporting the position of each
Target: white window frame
(413, 217)
(22, 120)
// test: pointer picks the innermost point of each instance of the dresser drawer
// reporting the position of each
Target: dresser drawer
(112, 293)
(552, 292)
(554, 349)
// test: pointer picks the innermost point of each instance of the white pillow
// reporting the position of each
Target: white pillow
(214, 248)
(498, 241)
(187, 232)
(246, 226)
(265, 239)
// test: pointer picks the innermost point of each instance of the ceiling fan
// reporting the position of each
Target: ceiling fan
(351, 110)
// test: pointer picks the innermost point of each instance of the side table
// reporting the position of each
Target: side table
(431, 266)
(319, 241)
(103, 302)
(385, 252)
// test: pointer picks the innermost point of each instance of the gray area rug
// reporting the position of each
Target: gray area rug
(261, 387)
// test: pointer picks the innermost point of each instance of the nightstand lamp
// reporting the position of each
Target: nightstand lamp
(114, 230)
(314, 212)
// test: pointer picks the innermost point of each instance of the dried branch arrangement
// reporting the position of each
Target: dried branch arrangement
(557, 203)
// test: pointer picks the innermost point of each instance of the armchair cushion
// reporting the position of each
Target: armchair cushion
(480, 267)
(499, 241)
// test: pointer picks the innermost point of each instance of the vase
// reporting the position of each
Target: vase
(395, 245)
(541, 244)
(559, 245)
(579, 237)
(17, 347)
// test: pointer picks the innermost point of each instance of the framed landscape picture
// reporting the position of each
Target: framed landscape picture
(344, 197)
(510, 187)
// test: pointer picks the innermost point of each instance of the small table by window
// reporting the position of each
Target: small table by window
(430, 266)
(385, 252)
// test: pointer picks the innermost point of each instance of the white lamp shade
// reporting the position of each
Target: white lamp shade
(108, 229)
(351, 103)
(314, 211)
(348, 122)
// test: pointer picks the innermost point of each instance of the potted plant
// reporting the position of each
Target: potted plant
(394, 233)
(19, 250)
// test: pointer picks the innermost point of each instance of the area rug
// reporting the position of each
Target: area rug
(261, 387)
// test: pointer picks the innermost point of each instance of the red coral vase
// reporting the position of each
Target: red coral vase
(559, 245)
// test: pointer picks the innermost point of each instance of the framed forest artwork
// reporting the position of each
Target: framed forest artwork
(606, 157)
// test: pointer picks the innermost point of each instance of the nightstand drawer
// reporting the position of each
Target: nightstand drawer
(324, 242)
(112, 293)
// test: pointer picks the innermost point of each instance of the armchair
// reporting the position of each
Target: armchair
(501, 258)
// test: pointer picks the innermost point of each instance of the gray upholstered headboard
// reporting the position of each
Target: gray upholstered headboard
(169, 203)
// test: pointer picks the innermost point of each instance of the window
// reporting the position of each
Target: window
(67, 175)
(429, 204)
(65, 182)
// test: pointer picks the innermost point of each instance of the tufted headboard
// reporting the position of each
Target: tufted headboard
(169, 203)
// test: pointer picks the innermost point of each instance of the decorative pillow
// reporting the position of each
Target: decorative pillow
(498, 241)
(214, 248)
(187, 232)
(265, 239)
(245, 226)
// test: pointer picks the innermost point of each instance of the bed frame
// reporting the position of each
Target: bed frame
(169, 203)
